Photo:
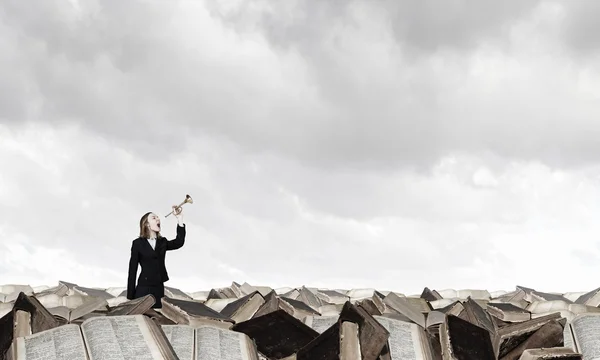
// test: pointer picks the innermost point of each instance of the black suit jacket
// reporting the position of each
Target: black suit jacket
(152, 261)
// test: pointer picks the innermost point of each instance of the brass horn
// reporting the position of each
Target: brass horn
(188, 199)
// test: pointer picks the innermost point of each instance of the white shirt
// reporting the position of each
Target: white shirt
(152, 243)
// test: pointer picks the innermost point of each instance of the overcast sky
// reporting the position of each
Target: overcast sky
(345, 144)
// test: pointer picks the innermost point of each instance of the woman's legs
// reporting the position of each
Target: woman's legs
(158, 291)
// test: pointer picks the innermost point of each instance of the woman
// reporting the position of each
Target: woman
(149, 250)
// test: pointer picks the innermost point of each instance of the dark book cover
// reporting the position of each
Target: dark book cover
(277, 334)
(469, 341)
(372, 335)
(233, 306)
(324, 347)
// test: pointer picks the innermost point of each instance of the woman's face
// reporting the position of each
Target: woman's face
(154, 222)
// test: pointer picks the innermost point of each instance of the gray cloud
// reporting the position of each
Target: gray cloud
(462, 25)
(352, 95)
(419, 26)
(580, 25)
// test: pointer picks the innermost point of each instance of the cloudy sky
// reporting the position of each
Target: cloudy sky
(388, 144)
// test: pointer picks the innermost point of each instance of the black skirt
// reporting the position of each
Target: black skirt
(158, 291)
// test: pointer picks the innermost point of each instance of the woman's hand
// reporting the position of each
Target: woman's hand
(178, 212)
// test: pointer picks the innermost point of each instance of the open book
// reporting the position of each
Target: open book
(92, 307)
(207, 342)
(129, 337)
(582, 335)
(406, 340)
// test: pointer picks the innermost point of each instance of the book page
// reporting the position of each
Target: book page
(181, 338)
(349, 342)
(404, 339)
(50, 300)
(585, 334)
(538, 307)
(406, 308)
(21, 324)
(124, 337)
(62, 311)
(87, 307)
(320, 323)
(549, 353)
(213, 343)
(568, 337)
(60, 343)
(435, 318)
